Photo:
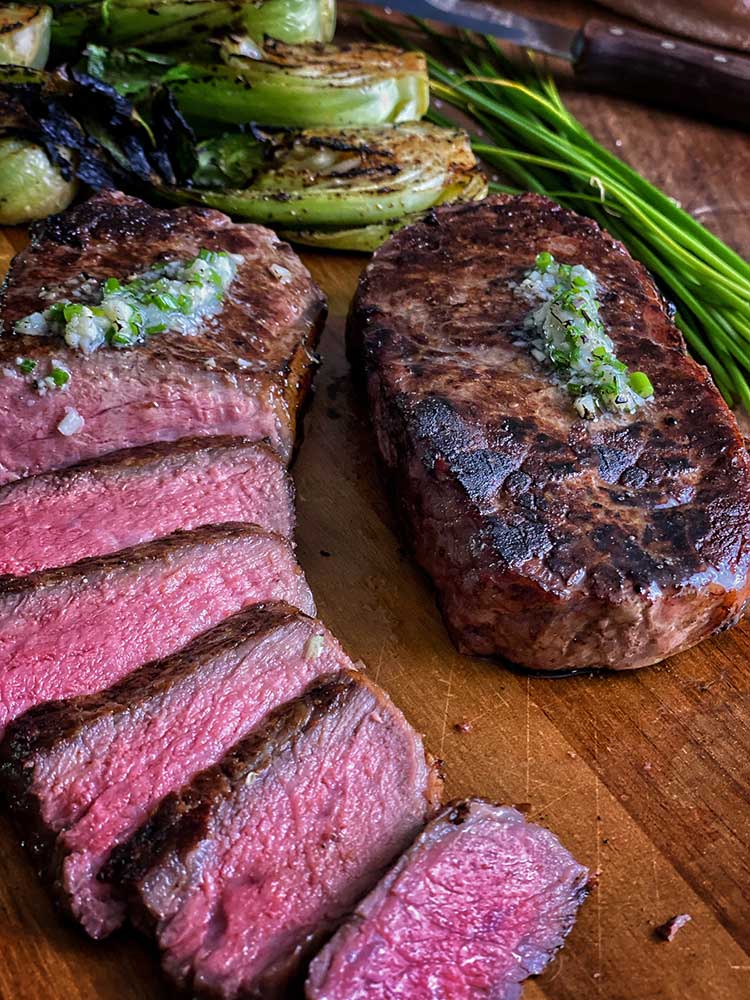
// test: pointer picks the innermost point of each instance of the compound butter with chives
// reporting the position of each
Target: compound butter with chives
(565, 331)
(175, 296)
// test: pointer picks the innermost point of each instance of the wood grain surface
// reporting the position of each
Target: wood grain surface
(645, 777)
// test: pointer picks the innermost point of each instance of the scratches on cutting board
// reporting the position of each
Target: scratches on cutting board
(448, 695)
(544, 809)
(528, 738)
(379, 663)
(598, 875)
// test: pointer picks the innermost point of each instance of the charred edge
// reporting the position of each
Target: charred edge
(182, 818)
(138, 555)
(54, 723)
(146, 455)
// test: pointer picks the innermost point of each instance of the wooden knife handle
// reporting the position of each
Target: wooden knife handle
(662, 70)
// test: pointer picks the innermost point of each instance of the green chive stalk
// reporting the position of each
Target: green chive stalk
(528, 135)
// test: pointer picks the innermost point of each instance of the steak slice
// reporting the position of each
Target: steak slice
(481, 900)
(244, 374)
(133, 496)
(76, 630)
(553, 541)
(83, 774)
(247, 869)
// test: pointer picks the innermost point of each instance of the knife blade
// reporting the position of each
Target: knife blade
(541, 36)
(657, 69)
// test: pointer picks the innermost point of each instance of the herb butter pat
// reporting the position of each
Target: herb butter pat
(174, 295)
(564, 330)
(71, 423)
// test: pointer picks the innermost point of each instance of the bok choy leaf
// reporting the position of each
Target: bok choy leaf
(297, 86)
(335, 180)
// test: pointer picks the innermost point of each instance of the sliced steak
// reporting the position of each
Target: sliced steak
(83, 774)
(247, 869)
(244, 374)
(481, 900)
(553, 541)
(133, 496)
(66, 632)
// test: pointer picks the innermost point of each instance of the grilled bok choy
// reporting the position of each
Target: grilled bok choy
(164, 23)
(341, 188)
(275, 83)
(25, 35)
(31, 185)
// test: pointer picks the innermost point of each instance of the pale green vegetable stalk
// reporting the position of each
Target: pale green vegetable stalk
(297, 86)
(24, 35)
(337, 187)
(163, 23)
(540, 146)
(31, 187)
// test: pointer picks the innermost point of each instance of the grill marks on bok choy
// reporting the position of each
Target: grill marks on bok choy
(278, 84)
(343, 188)
(346, 188)
(164, 23)
(328, 146)
(24, 35)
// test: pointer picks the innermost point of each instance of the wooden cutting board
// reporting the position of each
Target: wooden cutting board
(645, 777)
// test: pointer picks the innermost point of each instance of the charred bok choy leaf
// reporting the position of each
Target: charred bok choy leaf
(341, 188)
(346, 188)
(89, 131)
(165, 23)
(24, 35)
(297, 86)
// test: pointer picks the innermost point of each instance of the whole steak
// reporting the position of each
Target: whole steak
(553, 541)
(245, 372)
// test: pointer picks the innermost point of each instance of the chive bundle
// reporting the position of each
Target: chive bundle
(540, 146)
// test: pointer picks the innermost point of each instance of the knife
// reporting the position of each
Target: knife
(654, 68)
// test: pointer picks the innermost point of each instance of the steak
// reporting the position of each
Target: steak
(83, 774)
(481, 900)
(553, 541)
(128, 497)
(80, 629)
(247, 869)
(244, 374)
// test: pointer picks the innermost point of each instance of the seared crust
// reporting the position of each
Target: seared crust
(270, 323)
(143, 457)
(180, 822)
(555, 542)
(41, 729)
(137, 555)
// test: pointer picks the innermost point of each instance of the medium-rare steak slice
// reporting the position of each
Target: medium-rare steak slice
(554, 541)
(80, 629)
(133, 496)
(83, 774)
(244, 371)
(480, 901)
(248, 868)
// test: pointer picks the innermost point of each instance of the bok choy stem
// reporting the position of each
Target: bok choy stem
(296, 86)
